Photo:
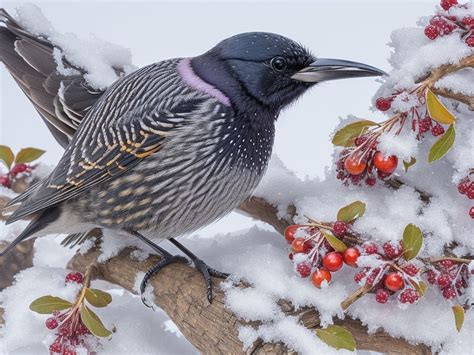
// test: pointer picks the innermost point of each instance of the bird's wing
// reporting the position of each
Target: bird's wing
(61, 97)
(102, 154)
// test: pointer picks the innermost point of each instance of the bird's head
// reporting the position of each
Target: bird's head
(272, 69)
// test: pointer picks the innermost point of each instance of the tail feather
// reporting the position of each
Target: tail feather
(36, 225)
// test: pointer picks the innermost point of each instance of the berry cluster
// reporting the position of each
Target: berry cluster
(71, 333)
(364, 163)
(312, 252)
(466, 187)
(452, 278)
(443, 25)
(391, 275)
(15, 172)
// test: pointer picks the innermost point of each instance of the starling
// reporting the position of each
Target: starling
(166, 149)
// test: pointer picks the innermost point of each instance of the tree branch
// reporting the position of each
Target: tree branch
(212, 328)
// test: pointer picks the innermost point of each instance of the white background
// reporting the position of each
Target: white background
(160, 30)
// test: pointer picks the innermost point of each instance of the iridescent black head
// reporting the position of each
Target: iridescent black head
(272, 69)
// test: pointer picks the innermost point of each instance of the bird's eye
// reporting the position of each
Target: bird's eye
(278, 63)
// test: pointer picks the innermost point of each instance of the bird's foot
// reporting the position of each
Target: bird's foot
(207, 272)
(164, 261)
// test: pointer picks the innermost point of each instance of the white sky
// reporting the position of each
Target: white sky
(160, 30)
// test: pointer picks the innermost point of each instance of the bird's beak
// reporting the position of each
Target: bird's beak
(324, 69)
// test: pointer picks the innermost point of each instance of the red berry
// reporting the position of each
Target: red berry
(359, 276)
(470, 191)
(69, 351)
(55, 347)
(373, 275)
(437, 130)
(409, 295)
(446, 264)
(51, 323)
(333, 261)
(431, 32)
(471, 212)
(410, 269)
(394, 281)
(444, 280)
(308, 246)
(371, 248)
(74, 277)
(383, 103)
(468, 21)
(340, 228)
(447, 4)
(463, 186)
(431, 276)
(303, 269)
(290, 233)
(19, 168)
(355, 165)
(5, 181)
(384, 164)
(382, 295)
(290, 256)
(350, 256)
(470, 41)
(298, 245)
(424, 124)
(391, 251)
(319, 276)
(370, 181)
(449, 292)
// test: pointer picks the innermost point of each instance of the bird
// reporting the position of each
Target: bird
(166, 149)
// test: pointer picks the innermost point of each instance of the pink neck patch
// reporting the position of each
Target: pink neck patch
(189, 77)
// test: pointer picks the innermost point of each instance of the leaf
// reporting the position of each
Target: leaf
(93, 322)
(458, 316)
(98, 298)
(6, 155)
(49, 304)
(408, 164)
(336, 243)
(337, 337)
(442, 145)
(27, 155)
(437, 110)
(412, 241)
(350, 212)
(346, 135)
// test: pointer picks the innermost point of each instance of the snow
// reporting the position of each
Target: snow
(258, 256)
(97, 57)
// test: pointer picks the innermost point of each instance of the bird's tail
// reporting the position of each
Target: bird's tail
(39, 223)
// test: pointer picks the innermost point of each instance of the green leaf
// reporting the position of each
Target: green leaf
(442, 145)
(93, 322)
(6, 156)
(337, 337)
(437, 110)
(412, 241)
(336, 243)
(458, 312)
(346, 135)
(351, 212)
(98, 298)
(49, 304)
(408, 164)
(27, 155)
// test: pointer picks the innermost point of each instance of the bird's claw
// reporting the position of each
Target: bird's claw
(166, 260)
(207, 272)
